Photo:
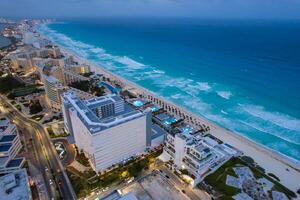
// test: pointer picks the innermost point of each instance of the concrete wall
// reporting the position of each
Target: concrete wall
(115, 144)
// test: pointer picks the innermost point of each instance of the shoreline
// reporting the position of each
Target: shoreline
(270, 160)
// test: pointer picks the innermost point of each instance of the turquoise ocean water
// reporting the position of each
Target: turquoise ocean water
(242, 75)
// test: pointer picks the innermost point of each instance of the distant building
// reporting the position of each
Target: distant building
(34, 39)
(28, 57)
(107, 129)
(10, 145)
(15, 186)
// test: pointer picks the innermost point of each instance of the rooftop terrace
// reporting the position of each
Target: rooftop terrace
(15, 186)
(93, 123)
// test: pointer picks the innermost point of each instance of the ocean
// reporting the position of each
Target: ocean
(243, 75)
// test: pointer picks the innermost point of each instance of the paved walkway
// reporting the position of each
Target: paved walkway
(78, 166)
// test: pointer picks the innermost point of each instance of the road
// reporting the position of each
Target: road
(46, 155)
(70, 155)
(193, 194)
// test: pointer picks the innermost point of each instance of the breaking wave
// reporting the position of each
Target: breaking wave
(224, 94)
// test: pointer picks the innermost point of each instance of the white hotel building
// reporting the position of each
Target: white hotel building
(53, 89)
(10, 145)
(107, 129)
(199, 155)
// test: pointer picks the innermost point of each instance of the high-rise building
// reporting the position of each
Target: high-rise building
(10, 145)
(107, 129)
(53, 89)
(199, 156)
(15, 186)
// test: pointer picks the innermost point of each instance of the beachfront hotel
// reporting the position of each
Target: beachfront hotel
(10, 145)
(107, 129)
(194, 155)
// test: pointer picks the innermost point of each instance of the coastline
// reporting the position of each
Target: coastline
(271, 161)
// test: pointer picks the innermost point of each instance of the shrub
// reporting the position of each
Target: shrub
(35, 107)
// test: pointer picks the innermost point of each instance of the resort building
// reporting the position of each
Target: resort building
(15, 186)
(107, 129)
(71, 76)
(10, 146)
(53, 89)
(196, 155)
(28, 57)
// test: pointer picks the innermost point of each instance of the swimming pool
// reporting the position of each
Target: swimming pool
(138, 103)
(170, 121)
(154, 109)
(186, 130)
(110, 87)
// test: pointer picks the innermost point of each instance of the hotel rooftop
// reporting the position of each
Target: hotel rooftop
(88, 111)
(15, 186)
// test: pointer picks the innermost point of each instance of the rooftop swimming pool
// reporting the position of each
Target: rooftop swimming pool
(186, 130)
(154, 109)
(170, 121)
(138, 103)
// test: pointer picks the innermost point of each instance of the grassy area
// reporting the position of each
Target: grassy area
(37, 117)
(98, 91)
(84, 183)
(23, 91)
(274, 176)
(18, 107)
(9, 83)
(81, 85)
(218, 179)
(26, 104)
(35, 107)
(81, 186)
(82, 159)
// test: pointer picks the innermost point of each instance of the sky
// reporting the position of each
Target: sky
(259, 9)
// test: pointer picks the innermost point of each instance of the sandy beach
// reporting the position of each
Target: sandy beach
(286, 169)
